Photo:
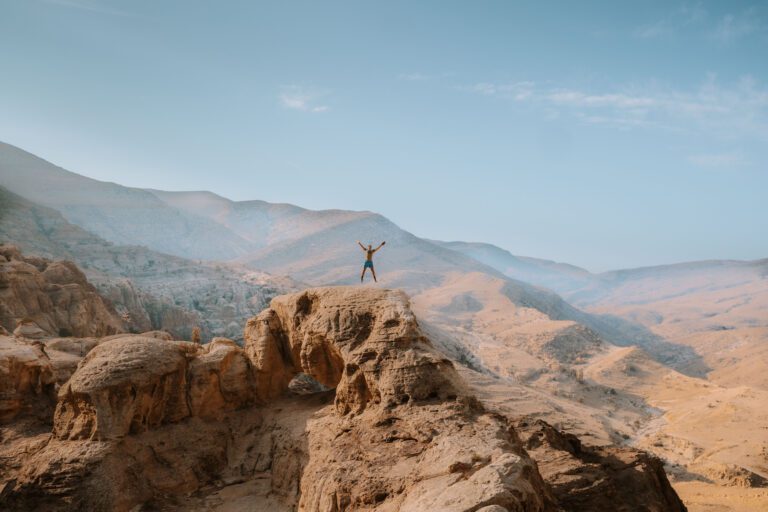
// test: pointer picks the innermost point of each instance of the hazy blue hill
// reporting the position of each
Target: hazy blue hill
(119, 214)
(560, 277)
(158, 290)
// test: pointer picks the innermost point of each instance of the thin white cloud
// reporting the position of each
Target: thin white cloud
(413, 77)
(719, 160)
(726, 29)
(299, 98)
(614, 100)
(658, 29)
(736, 26)
(518, 91)
(673, 23)
(735, 110)
(93, 6)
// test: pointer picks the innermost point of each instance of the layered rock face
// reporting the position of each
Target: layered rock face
(173, 425)
(56, 296)
(406, 434)
(598, 478)
(26, 377)
(131, 384)
(365, 343)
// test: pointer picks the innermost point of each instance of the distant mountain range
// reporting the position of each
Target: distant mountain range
(158, 235)
(173, 260)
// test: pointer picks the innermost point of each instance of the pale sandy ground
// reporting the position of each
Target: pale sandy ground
(702, 497)
(712, 431)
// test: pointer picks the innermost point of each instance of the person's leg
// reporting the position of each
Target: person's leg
(363, 274)
(374, 274)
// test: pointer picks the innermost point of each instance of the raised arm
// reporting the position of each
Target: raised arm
(380, 246)
(362, 246)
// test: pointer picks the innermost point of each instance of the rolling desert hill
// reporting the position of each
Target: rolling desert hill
(717, 308)
(317, 247)
(708, 423)
(559, 277)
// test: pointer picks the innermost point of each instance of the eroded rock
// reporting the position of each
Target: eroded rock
(54, 296)
(406, 434)
(174, 425)
(598, 478)
(26, 377)
(365, 343)
(123, 385)
(220, 379)
(130, 384)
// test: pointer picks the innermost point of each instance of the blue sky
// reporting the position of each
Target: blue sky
(601, 134)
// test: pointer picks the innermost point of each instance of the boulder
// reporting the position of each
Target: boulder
(125, 385)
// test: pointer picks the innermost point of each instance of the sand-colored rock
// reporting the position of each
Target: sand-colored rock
(54, 296)
(406, 433)
(75, 346)
(365, 343)
(26, 377)
(437, 456)
(123, 385)
(598, 478)
(129, 384)
(29, 330)
(220, 379)
(175, 425)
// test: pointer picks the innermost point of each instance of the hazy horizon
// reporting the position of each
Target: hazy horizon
(595, 135)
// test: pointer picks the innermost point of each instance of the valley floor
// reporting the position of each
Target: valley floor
(705, 497)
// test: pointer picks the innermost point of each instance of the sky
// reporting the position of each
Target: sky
(602, 134)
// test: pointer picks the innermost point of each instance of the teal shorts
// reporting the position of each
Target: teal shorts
(368, 264)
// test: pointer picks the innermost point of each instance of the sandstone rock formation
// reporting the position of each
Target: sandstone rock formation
(365, 343)
(178, 426)
(407, 435)
(135, 383)
(598, 478)
(26, 377)
(29, 330)
(54, 295)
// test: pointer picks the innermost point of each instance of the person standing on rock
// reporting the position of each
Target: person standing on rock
(369, 259)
